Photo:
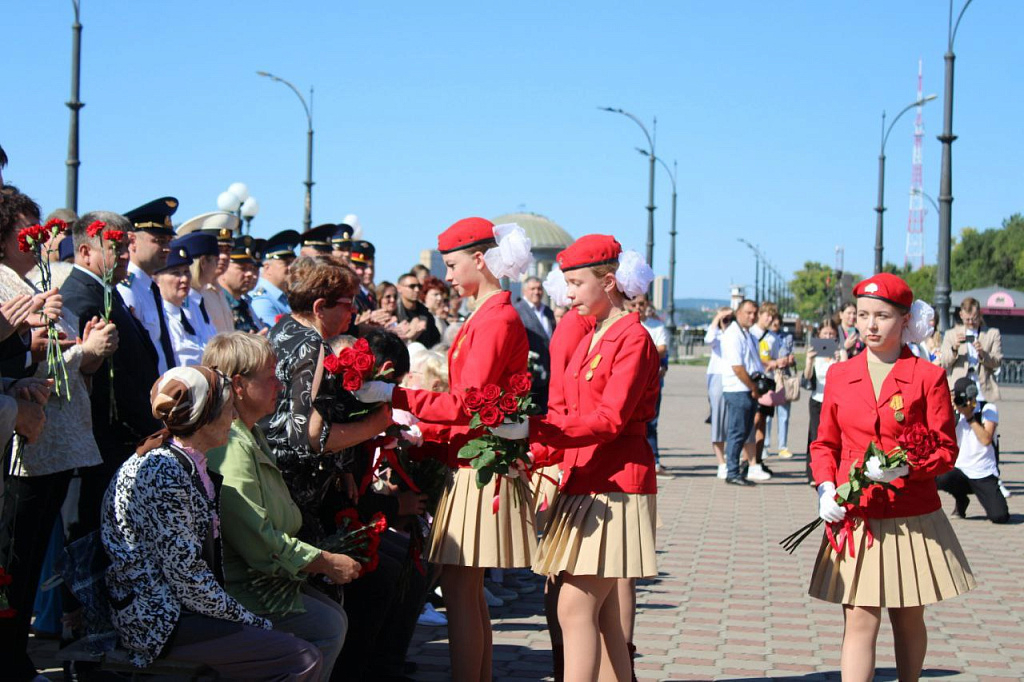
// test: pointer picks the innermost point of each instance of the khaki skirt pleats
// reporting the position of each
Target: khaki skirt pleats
(610, 535)
(545, 490)
(913, 561)
(468, 531)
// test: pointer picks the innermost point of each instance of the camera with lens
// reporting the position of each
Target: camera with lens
(766, 384)
(964, 392)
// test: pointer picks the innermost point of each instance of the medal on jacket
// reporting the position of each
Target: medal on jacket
(593, 365)
(896, 405)
(458, 346)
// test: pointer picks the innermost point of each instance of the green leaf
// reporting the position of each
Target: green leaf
(474, 422)
(483, 477)
(843, 493)
(874, 450)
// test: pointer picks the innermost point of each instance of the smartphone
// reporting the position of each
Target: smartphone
(825, 347)
(969, 337)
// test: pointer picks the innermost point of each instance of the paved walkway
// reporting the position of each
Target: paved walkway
(729, 604)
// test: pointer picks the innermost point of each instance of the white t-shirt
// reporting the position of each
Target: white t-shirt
(738, 348)
(656, 328)
(976, 460)
(821, 366)
(713, 339)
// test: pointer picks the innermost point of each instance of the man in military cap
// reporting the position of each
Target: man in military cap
(270, 297)
(239, 280)
(316, 241)
(341, 242)
(148, 246)
(362, 262)
(222, 225)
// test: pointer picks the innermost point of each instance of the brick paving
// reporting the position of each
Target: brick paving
(729, 604)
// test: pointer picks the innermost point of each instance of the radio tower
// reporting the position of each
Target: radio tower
(914, 257)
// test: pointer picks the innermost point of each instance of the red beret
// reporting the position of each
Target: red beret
(590, 250)
(886, 287)
(466, 233)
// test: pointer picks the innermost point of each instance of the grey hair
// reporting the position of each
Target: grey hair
(114, 221)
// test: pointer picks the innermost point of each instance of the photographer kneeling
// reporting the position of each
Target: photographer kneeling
(976, 469)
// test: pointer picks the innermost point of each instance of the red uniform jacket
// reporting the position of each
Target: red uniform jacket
(489, 348)
(568, 334)
(851, 419)
(600, 419)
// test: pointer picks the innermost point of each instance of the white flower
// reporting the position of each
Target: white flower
(873, 468)
(512, 257)
(920, 326)
(634, 274)
(557, 288)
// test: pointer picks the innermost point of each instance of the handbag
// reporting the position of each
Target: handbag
(790, 386)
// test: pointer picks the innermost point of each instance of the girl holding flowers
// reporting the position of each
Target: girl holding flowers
(486, 526)
(601, 529)
(897, 549)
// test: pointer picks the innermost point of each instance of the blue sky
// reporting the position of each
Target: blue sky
(425, 114)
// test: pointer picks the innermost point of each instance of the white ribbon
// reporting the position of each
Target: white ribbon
(634, 274)
(511, 257)
(920, 326)
(557, 288)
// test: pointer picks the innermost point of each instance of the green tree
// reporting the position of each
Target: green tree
(921, 281)
(995, 256)
(813, 288)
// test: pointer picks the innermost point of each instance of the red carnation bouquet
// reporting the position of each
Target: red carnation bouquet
(36, 240)
(914, 447)
(345, 373)
(112, 241)
(491, 406)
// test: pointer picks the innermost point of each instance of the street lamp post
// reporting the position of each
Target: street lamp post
(73, 162)
(757, 268)
(307, 219)
(942, 283)
(880, 208)
(236, 199)
(671, 255)
(650, 184)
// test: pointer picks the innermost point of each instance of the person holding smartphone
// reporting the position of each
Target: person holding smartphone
(973, 349)
(822, 353)
(849, 337)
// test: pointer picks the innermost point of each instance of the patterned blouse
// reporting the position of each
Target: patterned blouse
(314, 479)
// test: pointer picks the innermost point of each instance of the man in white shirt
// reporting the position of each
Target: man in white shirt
(976, 470)
(740, 362)
(148, 246)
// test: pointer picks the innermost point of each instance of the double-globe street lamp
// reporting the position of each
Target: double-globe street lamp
(880, 208)
(942, 283)
(650, 184)
(671, 255)
(236, 199)
(307, 219)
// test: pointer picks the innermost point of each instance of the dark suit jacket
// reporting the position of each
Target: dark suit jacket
(135, 371)
(538, 340)
(429, 337)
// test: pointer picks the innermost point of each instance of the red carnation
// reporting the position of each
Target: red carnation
(364, 362)
(918, 442)
(473, 400)
(56, 225)
(520, 383)
(332, 363)
(23, 244)
(509, 404)
(347, 357)
(115, 236)
(95, 227)
(491, 393)
(361, 346)
(346, 517)
(352, 380)
(379, 522)
(490, 415)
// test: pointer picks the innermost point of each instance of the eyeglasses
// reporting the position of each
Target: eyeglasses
(346, 301)
(412, 286)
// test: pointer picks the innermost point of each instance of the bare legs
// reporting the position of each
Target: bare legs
(588, 610)
(719, 449)
(861, 634)
(469, 623)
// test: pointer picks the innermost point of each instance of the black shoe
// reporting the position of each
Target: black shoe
(961, 508)
(739, 481)
(765, 468)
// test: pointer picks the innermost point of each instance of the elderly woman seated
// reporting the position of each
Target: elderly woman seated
(160, 531)
(264, 563)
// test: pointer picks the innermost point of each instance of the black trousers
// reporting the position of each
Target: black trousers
(812, 431)
(986, 489)
(31, 506)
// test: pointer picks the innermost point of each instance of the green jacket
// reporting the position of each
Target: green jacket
(258, 520)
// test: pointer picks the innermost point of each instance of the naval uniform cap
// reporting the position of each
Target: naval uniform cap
(282, 245)
(887, 287)
(362, 252)
(198, 244)
(179, 255)
(588, 251)
(342, 237)
(466, 233)
(319, 237)
(154, 217)
(220, 224)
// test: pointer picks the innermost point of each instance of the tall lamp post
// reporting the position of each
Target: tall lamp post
(71, 192)
(879, 246)
(671, 254)
(942, 284)
(650, 184)
(757, 268)
(307, 219)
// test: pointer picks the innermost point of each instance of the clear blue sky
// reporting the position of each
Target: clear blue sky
(428, 113)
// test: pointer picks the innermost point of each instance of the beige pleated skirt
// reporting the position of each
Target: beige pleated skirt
(467, 531)
(913, 561)
(610, 535)
(545, 490)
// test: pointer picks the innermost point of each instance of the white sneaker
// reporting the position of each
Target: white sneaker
(757, 473)
(491, 599)
(723, 470)
(430, 616)
(1003, 489)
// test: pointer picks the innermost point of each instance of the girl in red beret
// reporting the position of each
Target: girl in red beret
(900, 551)
(470, 532)
(601, 529)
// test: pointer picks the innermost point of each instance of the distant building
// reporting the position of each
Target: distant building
(431, 258)
(661, 295)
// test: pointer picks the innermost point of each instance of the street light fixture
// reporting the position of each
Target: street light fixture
(671, 254)
(307, 219)
(942, 283)
(879, 247)
(236, 199)
(650, 184)
(921, 192)
(757, 268)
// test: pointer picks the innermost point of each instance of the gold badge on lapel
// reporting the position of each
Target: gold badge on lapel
(896, 405)
(458, 347)
(593, 365)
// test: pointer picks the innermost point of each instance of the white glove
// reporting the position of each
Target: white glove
(828, 509)
(413, 435)
(374, 392)
(873, 470)
(517, 431)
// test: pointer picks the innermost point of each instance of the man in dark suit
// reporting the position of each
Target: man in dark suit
(118, 428)
(539, 321)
